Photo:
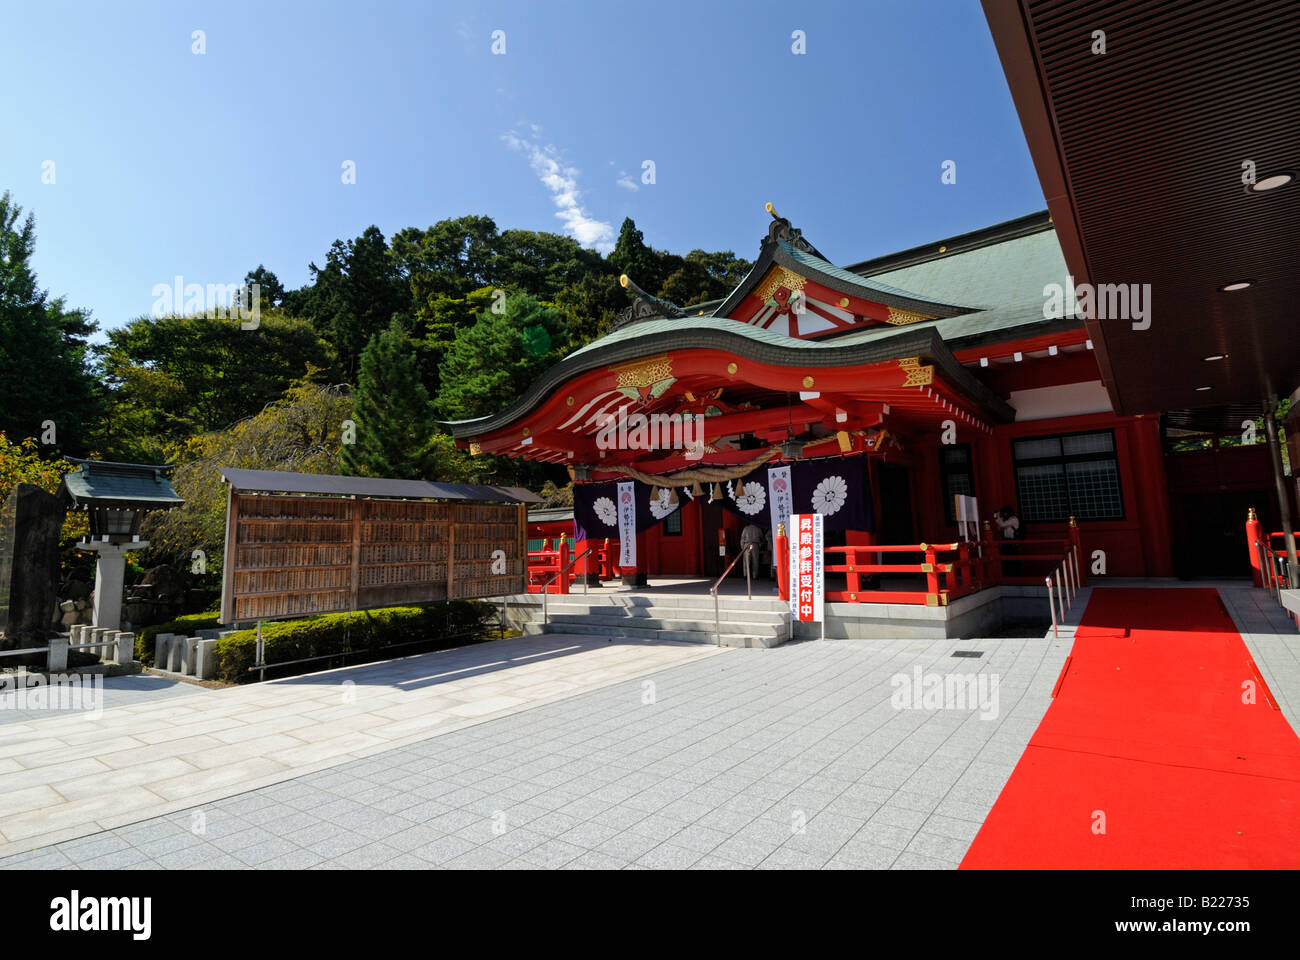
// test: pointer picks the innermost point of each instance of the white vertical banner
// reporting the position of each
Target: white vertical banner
(626, 525)
(780, 496)
(807, 569)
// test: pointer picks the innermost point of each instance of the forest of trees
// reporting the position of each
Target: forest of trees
(447, 322)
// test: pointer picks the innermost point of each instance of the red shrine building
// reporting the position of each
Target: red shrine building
(890, 389)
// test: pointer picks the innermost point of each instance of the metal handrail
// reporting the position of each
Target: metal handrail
(560, 573)
(1065, 579)
(749, 589)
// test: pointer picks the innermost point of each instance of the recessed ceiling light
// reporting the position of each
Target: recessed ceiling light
(1239, 285)
(1215, 356)
(1199, 389)
(1281, 178)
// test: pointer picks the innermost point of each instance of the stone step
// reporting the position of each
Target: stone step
(696, 611)
(701, 624)
(729, 639)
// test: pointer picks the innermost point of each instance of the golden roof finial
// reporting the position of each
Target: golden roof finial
(771, 209)
(622, 279)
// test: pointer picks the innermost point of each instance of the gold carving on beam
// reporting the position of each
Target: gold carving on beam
(475, 448)
(916, 375)
(644, 373)
(807, 383)
(776, 278)
(900, 318)
(844, 301)
(569, 401)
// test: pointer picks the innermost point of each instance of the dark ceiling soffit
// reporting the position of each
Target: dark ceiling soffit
(1018, 51)
(926, 344)
(1222, 420)
(275, 481)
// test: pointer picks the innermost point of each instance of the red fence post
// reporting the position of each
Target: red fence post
(931, 574)
(1253, 537)
(1076, 544)
(562, 584)
(781, 544)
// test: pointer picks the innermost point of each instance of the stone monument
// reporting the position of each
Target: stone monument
(31, 522)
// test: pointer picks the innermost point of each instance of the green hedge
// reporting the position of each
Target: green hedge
(366, 634)
(187, 625)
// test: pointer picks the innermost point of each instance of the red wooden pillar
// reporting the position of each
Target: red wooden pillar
(1254, 534)
(992, 561)
(781, 547)
(1076, 543)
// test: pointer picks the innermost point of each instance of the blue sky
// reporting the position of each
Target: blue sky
(167, 162)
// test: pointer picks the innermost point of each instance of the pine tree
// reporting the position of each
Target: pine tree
(395, 426)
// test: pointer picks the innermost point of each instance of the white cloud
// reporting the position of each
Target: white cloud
(626, 182)
(562, 182)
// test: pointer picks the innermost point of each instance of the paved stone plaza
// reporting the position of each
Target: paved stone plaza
(674, 756)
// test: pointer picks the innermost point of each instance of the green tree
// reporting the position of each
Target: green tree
(493, 362)
(395, 426)
(448, 259)
(44, 357)
(632, 256)
(590, 305)
(270, 289)
(438, 322)
(300, 431)
(704, 276)
(177, 376)
(356, 294)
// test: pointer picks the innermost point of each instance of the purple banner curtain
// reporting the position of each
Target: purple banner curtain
(595, 514)
(835, 487)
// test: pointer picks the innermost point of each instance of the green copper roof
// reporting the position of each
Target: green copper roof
(921, 297)
(1011, 272)
(119, 485)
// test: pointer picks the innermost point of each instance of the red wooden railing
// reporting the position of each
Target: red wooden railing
(951, 570)
(1267, 554)
(545, 563)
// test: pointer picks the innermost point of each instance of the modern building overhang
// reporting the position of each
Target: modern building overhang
(1141, 151)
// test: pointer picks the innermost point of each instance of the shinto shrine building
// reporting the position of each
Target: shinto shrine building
(889, 388)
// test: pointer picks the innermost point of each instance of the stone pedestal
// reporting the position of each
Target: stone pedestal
(110, 575)
(205, 661)
(58, 658)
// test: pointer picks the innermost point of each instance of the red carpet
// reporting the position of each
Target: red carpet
(1148, 727)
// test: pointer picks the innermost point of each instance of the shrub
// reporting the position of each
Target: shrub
(365, 635)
